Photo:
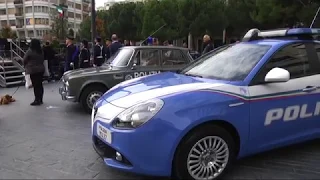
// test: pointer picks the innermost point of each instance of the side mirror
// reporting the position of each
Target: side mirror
(133, 66)
(277, 75)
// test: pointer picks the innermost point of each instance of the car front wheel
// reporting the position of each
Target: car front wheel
(90, 95)
(206, 153)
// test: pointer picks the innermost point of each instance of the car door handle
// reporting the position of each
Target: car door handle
(309, 89)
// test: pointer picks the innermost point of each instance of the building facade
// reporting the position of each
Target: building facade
(33, 18)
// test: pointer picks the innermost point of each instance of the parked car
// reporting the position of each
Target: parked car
(242, 99)
(88, 85)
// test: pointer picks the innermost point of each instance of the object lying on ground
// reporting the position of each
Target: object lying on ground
(6, 99)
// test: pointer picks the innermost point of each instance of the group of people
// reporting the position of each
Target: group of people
(75, 58)
(80, 58)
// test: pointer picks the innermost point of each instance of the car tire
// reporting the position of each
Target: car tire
(89, 91)
(185, 160)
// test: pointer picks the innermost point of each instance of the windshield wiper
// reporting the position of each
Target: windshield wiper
(193, 75)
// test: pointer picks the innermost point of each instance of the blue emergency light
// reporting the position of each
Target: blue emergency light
(255, 34)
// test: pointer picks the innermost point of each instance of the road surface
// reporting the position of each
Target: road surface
(53, 142)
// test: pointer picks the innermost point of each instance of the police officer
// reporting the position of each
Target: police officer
(84, 56)
(70, 54)
(99, 53)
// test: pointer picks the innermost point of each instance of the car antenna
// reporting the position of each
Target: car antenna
(315, 17)
(153, 34)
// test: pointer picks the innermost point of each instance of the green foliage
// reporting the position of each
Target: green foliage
(85, 29)
(59, 26)
(71, 32)
(6, 32)
(136, 21)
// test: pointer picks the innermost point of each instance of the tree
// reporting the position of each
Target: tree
(238, 17)
(85, 29)
(100, 28)
(59, 25)
(158, 14)
(71, 32)
(6, 32)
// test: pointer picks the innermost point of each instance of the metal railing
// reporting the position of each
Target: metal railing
(3, 75)
(16, 51)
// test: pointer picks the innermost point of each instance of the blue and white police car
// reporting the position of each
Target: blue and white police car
(256, 95)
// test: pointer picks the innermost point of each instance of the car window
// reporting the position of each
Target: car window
(173, 57)
(147, 57)
(233, 62)
(317, 48)
(293, 58)
(121, 57)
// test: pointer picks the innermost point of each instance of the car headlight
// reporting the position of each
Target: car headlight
(138, 114)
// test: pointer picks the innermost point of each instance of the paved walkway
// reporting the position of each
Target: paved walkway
(53, 142)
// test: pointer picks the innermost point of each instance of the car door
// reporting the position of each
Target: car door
(173, 59)
(144, 62)
(283, 113)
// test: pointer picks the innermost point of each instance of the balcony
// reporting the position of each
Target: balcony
(19, 14)
(18, 2)
(86, 1)
(19, 26)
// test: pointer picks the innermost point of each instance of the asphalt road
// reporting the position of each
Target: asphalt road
(53, 142)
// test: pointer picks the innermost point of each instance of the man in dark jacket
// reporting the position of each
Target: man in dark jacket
(84, 56)
(99, 53)
(49, 54)
(115, 45)
(70, 54)
(107, 49)
(207, 44)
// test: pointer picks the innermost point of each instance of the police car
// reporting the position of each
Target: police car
(245, 98)
(87, 85)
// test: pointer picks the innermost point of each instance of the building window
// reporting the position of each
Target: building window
(4, 23)
(70, 4)
(70, 14)
(12, 23)
(3, 12)
(78, 16)
(28, 9)
(30, 34)
(78, 6)
(11, 11)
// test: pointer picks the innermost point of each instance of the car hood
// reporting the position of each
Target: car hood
(133, 91)
(86, 71)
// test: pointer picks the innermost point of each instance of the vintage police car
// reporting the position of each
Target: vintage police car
(88, 85)
(242, 99)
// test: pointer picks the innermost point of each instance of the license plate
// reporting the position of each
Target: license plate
(104, 133)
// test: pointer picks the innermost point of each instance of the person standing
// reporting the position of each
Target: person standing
(70, 54)
(107, 50)
(126, 43)
(84, 56)
(49, 54)
(33, 64)
(208, 46)
(99, 53)
(115, 45)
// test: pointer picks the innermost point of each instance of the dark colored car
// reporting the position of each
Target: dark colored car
(88, 85)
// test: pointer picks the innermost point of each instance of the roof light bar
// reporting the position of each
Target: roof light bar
(254, 34)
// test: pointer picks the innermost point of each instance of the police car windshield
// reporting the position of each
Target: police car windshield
(121, 58)
(231, 63)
